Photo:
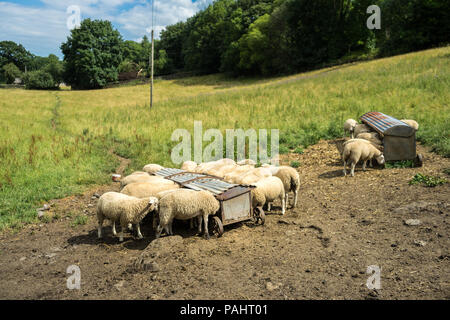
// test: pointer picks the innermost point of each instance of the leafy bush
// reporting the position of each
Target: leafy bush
(40, 79)
(11, 72)
(295, 164)
(428, 181)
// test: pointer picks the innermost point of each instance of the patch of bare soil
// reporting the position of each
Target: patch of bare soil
(319, 250)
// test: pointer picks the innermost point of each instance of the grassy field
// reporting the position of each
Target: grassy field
(56, 143)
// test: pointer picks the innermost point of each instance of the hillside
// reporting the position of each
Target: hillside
(56, 143)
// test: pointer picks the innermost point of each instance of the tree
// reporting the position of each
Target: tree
(40, 79)
(11, 52)
(11, 72)
(92, 55)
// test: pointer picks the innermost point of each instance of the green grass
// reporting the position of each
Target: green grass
(80, 220)
(57, 143)
(428, 181)
(399, 164)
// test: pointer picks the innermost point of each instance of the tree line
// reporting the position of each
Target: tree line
(240, 38)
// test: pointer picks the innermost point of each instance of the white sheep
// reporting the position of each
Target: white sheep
(360, 150)
(361, 128)
(349, 126)
(116, 206)
(152, 168)
(246, 162)
(235, 175)
(268, 190)
(147, 189)
(137, 178)
(373, 137)
(291, 181)
(189, 166)
(411, 123)
(254, 175)
(222, 171)
(185, 204)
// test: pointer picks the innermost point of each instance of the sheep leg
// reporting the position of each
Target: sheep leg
(283, 206)
(205, 224)
(114, 228)
(364, 165)
(295, 198)
(199, 224)
(353, 169)
(121, 235)
(286, 198)
(159, 229)
(268, 206)
(345, 168)
(138, 228)
(99, 230)
(169, 229)
(130, 227)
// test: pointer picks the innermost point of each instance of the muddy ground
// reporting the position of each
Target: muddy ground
(320, 250)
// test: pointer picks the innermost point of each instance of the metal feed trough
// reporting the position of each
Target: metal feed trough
(399, 139)
(235, 200)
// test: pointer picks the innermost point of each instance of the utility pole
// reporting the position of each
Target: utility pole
(151, 86)
(152, 61)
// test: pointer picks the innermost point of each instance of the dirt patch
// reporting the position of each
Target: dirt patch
(320, 250)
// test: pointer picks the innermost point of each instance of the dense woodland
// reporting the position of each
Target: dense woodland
(239, 38)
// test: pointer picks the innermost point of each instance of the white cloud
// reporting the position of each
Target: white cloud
(42, 29)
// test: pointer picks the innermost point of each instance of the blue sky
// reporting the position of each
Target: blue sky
(41, 25)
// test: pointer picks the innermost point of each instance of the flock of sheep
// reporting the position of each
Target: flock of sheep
(365, 144)
(143, 192)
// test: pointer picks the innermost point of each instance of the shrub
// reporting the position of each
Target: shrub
(428, 181)
(11, 72)
(295, 164)
(40, 80)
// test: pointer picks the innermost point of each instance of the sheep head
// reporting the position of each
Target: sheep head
(153, 204)
(380, 159)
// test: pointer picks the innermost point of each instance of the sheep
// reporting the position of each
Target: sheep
(370, 136)
(246, 162)
(360, 128)
(361, 136)
(116, 206)
(267, 190)
(411, 123)
(185, 204)
(136, 178)
(147, 189)
(254, 175)
(360, 150)
(349, 126)
(235, 175)
(214, 165)
(152, 168)
(222, 171)
(291, 181)
(189, 166)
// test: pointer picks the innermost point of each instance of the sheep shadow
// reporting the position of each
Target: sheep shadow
(332, 174)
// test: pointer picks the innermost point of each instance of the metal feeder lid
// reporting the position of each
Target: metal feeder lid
(387, 125)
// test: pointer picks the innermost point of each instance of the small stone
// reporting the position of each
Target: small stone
(46, 207)
(119, 285)
(420, 243)
(50, 255)
(22, 259)
(96, 195)
(151, 266)
(90, 205)
(40, 214)
(270, 286)
(413, 222)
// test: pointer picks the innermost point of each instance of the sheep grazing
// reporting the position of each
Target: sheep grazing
(246, 162)
(361, 128)
(411, 123)
(116, 206)
(152, 168)
(147, 189)
(254, 175)
(222, 171)
(268, 190)
(349, 126)
(360, 150)
(186, 204)
(370, 136)
(138, 178)
(189, 166)
(291, 181)
(235, 175)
